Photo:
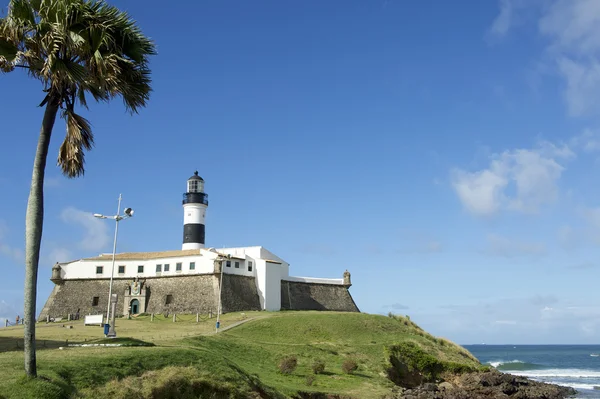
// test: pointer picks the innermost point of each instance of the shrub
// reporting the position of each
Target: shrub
(310, 379)
(288, 364)
(318, 367)
(349, 366)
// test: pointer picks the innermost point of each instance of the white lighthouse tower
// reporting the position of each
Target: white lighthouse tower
(195, 202)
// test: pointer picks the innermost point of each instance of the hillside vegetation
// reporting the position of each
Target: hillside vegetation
(243, 362)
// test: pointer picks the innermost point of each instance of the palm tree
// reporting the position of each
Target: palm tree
(74, 47)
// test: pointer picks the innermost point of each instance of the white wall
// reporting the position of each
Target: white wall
(243, 269)
(82, 269)
(261, 281)
(268, 284)
(194, 213)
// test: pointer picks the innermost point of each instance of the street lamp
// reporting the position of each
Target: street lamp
(117, 218)
(219, 260)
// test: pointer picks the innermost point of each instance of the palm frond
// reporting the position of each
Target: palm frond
(79, 137)
(78, 48)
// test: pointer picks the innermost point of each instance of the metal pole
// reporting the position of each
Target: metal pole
(220, 290)
(112, 272)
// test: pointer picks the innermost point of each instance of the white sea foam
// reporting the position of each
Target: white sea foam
(497, 363)
(557, 373)
(574, 385)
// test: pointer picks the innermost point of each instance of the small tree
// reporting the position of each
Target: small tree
(288, 364)
(349, 366)
(318, 367)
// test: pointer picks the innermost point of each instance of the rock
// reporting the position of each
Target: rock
(489, 384)
(508, 388)
(445, 386)
(429, 387)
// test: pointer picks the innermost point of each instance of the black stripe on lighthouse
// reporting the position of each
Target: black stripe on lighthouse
(193, 233)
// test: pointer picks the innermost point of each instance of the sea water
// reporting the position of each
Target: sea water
(568, 365)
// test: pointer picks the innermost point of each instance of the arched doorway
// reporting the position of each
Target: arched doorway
(135, 306)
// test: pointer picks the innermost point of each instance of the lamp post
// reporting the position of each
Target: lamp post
(220, 261)
(117, 218)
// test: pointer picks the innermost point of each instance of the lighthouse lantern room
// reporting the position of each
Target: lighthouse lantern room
(195, 202)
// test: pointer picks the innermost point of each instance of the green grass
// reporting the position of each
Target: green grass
(239, 363)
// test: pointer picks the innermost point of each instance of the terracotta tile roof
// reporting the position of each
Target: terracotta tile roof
(148, 255)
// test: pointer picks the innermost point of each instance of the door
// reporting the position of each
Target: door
(135, 306)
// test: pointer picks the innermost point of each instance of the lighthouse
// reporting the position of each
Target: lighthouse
(195, 202)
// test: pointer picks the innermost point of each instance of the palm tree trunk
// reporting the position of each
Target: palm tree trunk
(34, 221)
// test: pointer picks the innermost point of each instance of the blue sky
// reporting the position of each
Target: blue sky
(445, 153)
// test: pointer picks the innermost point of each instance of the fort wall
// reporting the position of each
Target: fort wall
(190, 294)
(314, 296)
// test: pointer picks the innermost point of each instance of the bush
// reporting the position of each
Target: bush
(288, 364)
(318, 367)
(349, 366)
(310, 379)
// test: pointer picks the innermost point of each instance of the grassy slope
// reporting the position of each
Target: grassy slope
(236, 362)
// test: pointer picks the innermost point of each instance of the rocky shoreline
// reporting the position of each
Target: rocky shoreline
(484, 385)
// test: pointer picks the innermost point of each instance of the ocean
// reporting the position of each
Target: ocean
(568, 365)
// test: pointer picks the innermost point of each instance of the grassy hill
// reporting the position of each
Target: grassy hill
(241, 362)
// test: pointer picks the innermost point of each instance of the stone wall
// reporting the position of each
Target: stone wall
(239, 294)
(71, 295)
(313, 296)
(193, 294)
(189, 294)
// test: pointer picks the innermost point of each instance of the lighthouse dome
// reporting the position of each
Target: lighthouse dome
(196, 177)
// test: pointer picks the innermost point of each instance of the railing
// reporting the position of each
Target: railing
(195, 198)
(9, 324)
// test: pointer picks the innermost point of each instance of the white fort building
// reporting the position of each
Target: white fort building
(191, 279)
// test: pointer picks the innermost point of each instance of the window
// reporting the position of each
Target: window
(166, 267)
(169, 299)
(158, 268)
(99, 269)
(228, 263)
(249, 266)
(193, 186)
(141, 269)
(178, 266)
(95, 300)
(192, 265)
(237, 265)
(121, 269)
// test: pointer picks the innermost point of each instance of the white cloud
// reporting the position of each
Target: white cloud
(572, 28)
(572, 25)
(16, 254)
(517, 320)
(96, 236)
(57, 255)
(582, 93)
(397, 306)
(532, 173)
(7, 312)
(505, 247)
(502, 23)
(588, 140)
(506, 322)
